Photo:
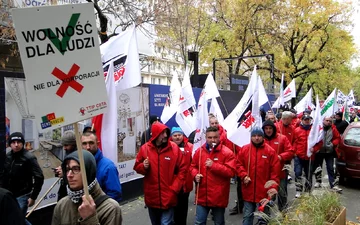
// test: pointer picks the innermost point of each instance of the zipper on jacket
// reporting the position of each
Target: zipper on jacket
(206, 187)
(159, 178)
(256, 152)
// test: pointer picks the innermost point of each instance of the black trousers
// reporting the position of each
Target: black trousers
(181, 209)
(239, 195)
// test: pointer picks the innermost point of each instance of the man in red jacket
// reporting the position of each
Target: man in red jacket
(258, 167)
(161, 162)
(285, 152)
(285, 127)
(325, 150)
(212, 167)
(181, 209)
(302, 162)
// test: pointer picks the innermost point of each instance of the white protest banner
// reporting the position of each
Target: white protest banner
(62, 64)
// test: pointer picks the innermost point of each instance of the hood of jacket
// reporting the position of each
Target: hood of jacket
(90, 164)
(157, 129)
(269, 123)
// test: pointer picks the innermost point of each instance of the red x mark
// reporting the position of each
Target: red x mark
(67, 80)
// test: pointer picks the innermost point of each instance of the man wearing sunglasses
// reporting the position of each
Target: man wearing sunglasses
(107, 173)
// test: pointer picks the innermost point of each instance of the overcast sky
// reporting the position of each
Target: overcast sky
(356, 30)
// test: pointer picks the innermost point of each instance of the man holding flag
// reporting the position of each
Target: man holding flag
(212, 167)
(161, 163)
(325, 150)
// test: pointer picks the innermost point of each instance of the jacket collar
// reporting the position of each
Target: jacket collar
(98, 155)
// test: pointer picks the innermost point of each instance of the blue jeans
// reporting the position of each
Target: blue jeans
(161, 216)
(202, 213)
(249, 209)
(329, 160)
(23, 203)
(300, 166)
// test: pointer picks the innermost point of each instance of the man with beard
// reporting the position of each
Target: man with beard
(258, 167)
(302, 162)
(181, 209)
(340, 124)
(212, 167)
(285, 152)
(325, 150)
(161, 162)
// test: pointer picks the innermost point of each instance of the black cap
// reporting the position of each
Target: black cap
(16, 136)
(88, 129)
(154, 118)
(305, 117)
(339, 114)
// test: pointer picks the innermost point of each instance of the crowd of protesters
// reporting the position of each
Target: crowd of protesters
(172, 169)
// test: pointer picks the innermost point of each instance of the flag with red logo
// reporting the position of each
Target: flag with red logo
(305, 102)
(316, 132)
(286, 95)
(106, 124)
(246, 114)
(122, 50)
(172, 100)
(186, 111)
(202, 122)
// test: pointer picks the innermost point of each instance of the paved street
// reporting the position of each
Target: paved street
(134, 212)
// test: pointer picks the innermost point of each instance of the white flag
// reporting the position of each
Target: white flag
(240, 121)
(328, 108)
(316, 131)
(211, 91)
(281, 96)
(122, 50)
(172, 101)
(186, 111)
(202, 122)
(289, 93)
(305, 103)
(351, 99)
(107, 126)
(215, 109)
(340, 98)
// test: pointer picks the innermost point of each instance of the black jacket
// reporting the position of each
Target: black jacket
(10, 212)
(22, 174)
(341, 125)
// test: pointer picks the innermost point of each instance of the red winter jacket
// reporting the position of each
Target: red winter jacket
(300, 142)
(335, 140)
(261, 165)
(189, 181)
(282, 147)
(166, 175)
(214, 186)
(288, 130)
(224, 140)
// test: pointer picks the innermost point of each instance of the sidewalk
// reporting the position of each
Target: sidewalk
(134, 212)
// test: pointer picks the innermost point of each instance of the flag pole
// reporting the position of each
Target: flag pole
(143, 110)
(42, 197)
(222, 102)
(198, 184)
(81, 160)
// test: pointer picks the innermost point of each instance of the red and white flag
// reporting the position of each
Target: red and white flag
(316, 132)
(186, 111)
(106, 124)
(247, 112)
(286, 95)
(122, 50)
(172, 101)
(305, 102)
(202, 122)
